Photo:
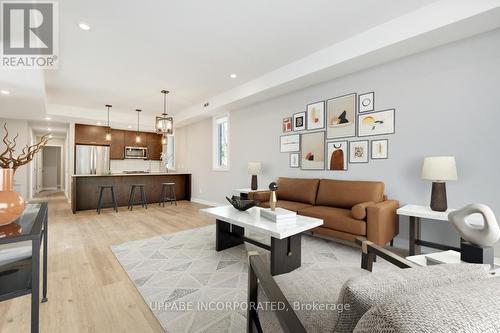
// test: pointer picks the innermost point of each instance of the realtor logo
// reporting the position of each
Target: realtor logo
(29, 34)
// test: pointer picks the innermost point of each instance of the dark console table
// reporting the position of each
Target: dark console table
(21, 277)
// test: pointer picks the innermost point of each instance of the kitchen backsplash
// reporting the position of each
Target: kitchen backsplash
(136, 165)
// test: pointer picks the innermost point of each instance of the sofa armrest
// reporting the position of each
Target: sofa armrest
(359, 211)
(382, 222)
(259, 196)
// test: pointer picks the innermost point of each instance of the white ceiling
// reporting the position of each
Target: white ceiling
(136, 48)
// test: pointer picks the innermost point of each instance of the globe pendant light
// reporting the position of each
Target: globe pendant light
(138, 136)
(163, 123)
(108, 129)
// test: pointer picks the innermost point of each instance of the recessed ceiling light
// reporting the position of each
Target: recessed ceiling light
(49, 129)
(50, 136)
(5, 92)
(129, 126)
(98, 123)
(233, 76)
(84, 26)
(47, 118)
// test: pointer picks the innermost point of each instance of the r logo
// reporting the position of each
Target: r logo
(28, 28)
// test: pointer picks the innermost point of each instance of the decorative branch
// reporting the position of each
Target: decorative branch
(8, 161)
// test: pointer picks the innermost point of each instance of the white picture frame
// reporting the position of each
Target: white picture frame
(366, 102)
(290, 143)
(294, 161)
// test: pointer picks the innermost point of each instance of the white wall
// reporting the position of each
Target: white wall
(447, 103)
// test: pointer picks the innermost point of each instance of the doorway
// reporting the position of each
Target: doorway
(51, 168)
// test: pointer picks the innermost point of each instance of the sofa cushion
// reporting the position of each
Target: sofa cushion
(458, 307)
(346, 194)
(336, 218)
(285, 204)
(365, 292)
(297, 189)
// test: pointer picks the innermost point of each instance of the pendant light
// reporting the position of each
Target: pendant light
(138, 136)
(164, 124)
(108, 129)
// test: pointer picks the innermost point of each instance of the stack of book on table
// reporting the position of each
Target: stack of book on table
(279, 216)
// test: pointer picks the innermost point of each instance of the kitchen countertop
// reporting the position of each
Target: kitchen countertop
(136, 174)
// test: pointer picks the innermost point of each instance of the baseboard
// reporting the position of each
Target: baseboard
(205, 202)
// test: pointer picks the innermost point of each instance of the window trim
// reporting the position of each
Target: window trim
(215, 142)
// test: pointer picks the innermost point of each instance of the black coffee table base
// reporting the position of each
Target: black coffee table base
(285, 253)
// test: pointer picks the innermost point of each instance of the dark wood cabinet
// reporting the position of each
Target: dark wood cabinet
(154, 146)
(117, 145)
(90, 135)
(130, 139)
(96, 135)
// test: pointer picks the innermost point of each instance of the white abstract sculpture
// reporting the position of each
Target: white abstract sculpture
(488, 235)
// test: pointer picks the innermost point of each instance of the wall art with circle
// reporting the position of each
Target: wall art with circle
(366, 102)
(337, 155)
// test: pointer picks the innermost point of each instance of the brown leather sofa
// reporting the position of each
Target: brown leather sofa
(348, 208)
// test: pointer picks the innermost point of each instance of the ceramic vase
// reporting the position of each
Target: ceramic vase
(11, 202)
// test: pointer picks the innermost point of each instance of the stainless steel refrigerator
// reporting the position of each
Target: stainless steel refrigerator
(91, 160)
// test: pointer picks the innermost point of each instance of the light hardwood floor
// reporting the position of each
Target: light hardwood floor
(88, 290)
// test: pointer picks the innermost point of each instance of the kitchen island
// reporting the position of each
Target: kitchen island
(85, 188)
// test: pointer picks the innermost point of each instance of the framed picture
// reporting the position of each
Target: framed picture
(341, 117)
(316, 115)
(380, 149)
(289, 143)
(376, 123)
(337, 155)
(366, 102)
(358, 151)
(299, 121)
(294, 160)
(287, 124)
(312, 152)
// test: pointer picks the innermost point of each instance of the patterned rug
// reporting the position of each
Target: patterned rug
(192, 288)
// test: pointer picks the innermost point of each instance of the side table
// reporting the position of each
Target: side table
(22, 276)
(415, 214)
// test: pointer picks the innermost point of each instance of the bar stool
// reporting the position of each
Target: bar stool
(131, 200)
(167, 188)
(113, 197)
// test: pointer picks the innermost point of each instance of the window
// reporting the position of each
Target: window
(169, 157)
(221, 142)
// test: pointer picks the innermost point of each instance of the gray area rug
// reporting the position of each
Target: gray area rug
(192, 288)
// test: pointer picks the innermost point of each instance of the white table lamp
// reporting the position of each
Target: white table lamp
(439, 169)
(254, 169)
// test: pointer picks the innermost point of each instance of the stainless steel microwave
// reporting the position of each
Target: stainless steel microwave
(140, 153)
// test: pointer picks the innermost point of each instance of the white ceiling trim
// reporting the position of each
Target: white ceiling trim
(397, 38)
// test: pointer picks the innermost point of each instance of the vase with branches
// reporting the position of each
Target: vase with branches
(11, 202)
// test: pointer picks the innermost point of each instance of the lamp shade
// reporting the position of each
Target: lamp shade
(254, 168)
(439, 168)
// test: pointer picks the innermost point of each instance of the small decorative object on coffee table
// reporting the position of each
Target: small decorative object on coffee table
(241, 204)
(254, 169)
(439, 169)
(476, 244)
(272, 199)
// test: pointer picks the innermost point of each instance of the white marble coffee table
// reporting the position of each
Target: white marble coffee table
(285, 238)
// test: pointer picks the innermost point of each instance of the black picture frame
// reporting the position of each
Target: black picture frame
(373, 102)
(377, 134)
(368, 150)
(294, 127)
(324, 116)
(355, 117)
(371, 149)
(327, 156)
(301, 152)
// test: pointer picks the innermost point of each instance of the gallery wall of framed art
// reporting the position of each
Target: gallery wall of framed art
(336, 132)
